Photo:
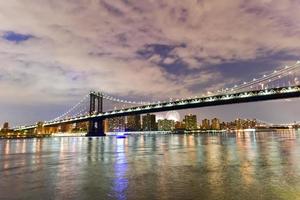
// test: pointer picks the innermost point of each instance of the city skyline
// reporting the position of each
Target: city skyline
(170, 50)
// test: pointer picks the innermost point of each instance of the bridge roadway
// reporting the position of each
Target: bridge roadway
(239, 97)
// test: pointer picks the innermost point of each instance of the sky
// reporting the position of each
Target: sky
(53, 52)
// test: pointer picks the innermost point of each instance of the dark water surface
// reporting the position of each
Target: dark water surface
(244, 166)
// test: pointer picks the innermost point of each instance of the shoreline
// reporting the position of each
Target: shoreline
(176, 132)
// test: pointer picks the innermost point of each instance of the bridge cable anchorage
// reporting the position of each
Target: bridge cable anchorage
(261, 82)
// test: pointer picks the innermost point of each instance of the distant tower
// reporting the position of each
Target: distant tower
(5, 126)
(215, 124)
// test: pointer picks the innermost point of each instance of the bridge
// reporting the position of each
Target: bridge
(92, 109)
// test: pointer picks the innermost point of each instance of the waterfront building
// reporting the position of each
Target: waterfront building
(116, 124)
(133, 123)
(190, 122)
(5, 126)
(149, 122)
(215, 124)
(179, 125)
(65, 128)
(239, 123)
(205, 124)
(250, 123)
(166, 125)
(81, 127)
(223, 125)
(106, 125)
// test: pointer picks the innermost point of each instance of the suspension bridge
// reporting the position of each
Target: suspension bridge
(95, 107)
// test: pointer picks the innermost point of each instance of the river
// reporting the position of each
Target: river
(250, 165)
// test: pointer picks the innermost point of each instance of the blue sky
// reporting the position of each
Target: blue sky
(54, 52)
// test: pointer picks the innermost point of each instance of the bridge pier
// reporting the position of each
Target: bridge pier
(96, 128)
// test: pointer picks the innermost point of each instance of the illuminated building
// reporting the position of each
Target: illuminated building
(133, 123)
(116, 124)
(190, 122)
(239, 123)
(166, 125)
(106, 126)
(250, 123)
(179, 125)
(205, 124)
(81, 126)
(149, 123)
(215, 124)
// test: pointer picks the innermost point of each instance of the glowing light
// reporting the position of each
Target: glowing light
(173, 115)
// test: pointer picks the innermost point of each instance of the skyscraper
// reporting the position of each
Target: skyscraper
(190, 122)
(116, 124)
(5, 126)
(149, 123)
(239, 123)
(205, 124)
(133, 123)
(215, 124)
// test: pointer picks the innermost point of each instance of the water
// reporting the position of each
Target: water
(208, 166)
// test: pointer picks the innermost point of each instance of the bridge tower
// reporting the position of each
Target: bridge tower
(96, 126)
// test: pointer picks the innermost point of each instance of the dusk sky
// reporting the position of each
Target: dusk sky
(53, 52)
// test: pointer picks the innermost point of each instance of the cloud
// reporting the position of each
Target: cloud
(156, 49)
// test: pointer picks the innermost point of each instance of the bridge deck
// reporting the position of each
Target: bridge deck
(241, 97)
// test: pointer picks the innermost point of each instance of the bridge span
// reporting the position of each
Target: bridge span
(96, 115)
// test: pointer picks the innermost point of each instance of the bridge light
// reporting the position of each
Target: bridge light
(245, 82)
(264, 75)
(298, 62)
(275, 71)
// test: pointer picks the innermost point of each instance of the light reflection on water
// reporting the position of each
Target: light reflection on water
(261, 165)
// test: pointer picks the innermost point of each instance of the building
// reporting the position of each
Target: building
(180, 125)
(149, 123)
(106, 125)
(5, 126)
(81, 127)
(116, 124)
(215, 124)
(250, 123)
(133, 123)
(239, 123)
(205, 124)
(166, 125)
(190, 122)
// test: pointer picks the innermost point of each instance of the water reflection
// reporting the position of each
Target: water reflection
(244, 165)
(120, 182)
